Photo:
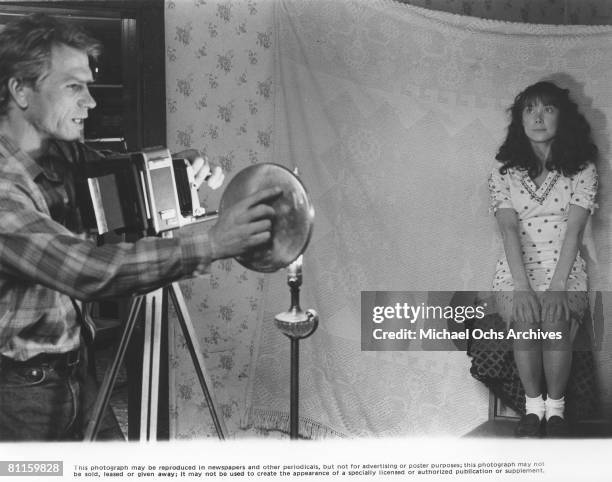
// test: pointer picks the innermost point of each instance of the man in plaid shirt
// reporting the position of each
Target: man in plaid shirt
(44, 98)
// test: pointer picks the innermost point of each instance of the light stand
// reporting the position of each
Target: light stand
(296, 324)
(156, 303)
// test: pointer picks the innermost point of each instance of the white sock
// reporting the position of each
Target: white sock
(535, 405)
(554, 407)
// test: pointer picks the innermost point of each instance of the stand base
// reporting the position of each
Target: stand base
(296, 325)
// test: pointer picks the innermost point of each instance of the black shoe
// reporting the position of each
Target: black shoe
(528, 426)
(557, 427)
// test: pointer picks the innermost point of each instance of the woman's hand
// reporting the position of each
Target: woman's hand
(555, 306)
(525, 306)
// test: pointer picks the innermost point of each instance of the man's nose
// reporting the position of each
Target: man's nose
(87, 100)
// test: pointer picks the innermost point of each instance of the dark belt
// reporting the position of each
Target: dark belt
(57, 361)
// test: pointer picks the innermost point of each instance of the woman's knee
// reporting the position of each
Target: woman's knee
(556, 335)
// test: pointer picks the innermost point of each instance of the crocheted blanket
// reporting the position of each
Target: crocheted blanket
(393, 115)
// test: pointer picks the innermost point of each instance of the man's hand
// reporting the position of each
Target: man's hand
(244, 225)
(202, 169)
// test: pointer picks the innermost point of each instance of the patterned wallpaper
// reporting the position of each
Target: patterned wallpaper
(219, 95)
(587, 12)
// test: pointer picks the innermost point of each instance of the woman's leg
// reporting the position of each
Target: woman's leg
(529, 361)
(557, 353)
(527, 353)
(557, 359)
(528, 358)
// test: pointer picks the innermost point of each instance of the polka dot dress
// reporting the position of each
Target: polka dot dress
(542, 214)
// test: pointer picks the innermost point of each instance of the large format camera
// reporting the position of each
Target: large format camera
(150, 193)
(142, 192)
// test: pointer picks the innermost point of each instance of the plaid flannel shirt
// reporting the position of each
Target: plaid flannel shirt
(43, 263)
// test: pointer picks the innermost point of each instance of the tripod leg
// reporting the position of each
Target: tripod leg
(150, 365)
(196, 356)
(111, 375)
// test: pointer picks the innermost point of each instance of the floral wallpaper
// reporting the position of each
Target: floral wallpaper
(219, 96)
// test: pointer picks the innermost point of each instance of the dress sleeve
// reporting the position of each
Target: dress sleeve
(499, 191)
(584, 188)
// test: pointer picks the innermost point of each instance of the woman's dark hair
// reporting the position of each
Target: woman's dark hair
(572, 147)
(25, 48)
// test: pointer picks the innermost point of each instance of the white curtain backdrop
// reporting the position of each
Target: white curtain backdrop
(393, 115)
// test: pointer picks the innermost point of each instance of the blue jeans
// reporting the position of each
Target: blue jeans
(42, 403)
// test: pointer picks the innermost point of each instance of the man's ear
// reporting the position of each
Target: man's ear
(18, 91)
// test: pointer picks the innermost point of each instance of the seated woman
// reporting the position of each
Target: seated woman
(542, 196)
